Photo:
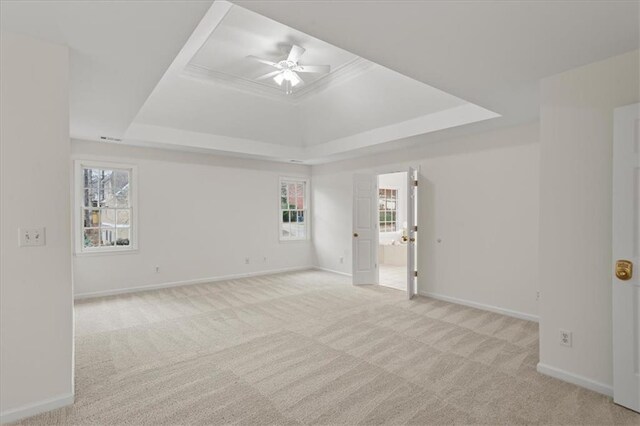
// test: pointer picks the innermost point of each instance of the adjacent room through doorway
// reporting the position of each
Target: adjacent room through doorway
(393, 238)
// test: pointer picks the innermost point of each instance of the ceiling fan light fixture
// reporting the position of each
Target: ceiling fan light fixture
(287, 70)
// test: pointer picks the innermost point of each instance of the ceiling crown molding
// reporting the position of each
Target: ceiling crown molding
(345, 72)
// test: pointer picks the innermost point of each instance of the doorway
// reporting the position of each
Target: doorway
(385, 228)
(393, 234)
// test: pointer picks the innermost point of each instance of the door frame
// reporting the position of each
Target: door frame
(383, 170)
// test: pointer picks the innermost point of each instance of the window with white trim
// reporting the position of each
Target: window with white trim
(294, 204)
(388, 208)
(105, 201)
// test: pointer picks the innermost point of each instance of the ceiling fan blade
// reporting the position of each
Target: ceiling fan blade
(295, 79)
(268, 75)
(319, 69)
(264, 61)
(295, 53)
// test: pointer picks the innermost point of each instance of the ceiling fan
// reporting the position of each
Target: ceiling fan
(287, 70)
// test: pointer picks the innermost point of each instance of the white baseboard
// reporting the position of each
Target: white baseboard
(188, 282)
(319, 268)
(575, 379)
(496, 309)
(29, 410)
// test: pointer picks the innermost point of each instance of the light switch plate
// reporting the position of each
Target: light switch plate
(29, 237)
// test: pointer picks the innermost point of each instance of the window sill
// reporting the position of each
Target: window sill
(106, 252)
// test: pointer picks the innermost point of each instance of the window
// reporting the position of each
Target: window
(106, 207)
(388, 206)
(294, 205)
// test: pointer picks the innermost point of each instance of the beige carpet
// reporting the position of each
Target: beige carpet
(308, 347)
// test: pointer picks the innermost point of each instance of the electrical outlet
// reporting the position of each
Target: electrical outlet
(28, 237)
(566, 338)
(537, 295)
(264, 259)
(246, 260)
(342, 260)
(157, 269)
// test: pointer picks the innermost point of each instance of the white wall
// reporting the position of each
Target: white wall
(395, 181)
(478, 194)
(575, 213)
(199, 217)
(36, 316)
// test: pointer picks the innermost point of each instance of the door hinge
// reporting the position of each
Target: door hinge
(415, 273)
(415, 183)
(415, 228)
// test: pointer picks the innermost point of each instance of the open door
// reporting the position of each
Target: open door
(412, 230)
(365, 229)
(626, 257)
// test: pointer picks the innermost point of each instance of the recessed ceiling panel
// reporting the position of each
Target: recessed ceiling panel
(230, 52)
(211, 97)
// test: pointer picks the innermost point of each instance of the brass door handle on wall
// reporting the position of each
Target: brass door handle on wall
(624, 269)
(355, 235)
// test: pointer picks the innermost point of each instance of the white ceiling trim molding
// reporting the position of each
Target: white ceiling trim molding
(148, 135)
(351, 69)
(452, 117)
(151, 135)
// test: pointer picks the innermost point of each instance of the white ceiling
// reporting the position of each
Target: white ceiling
(119, 50)
(357, 106)
(490, 53)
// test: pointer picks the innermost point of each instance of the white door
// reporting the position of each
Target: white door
(365, 229)
(412, 229)
(626, 247)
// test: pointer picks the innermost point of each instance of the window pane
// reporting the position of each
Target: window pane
(108, 237)
(115, 184)
(391, 205)
(91, 238)
(120, 182)
(108, 218)
(123, 237)
(291, 196)
(285, 229)
(123, 218)
(91, 197)
(285, 216)
(91, 178)
(91, 218)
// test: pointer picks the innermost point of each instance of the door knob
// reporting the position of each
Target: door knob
(624, 269)
(355, 234)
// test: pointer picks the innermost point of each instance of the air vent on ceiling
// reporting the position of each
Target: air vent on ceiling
(110, 139)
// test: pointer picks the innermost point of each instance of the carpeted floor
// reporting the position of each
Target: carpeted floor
(307, 347)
